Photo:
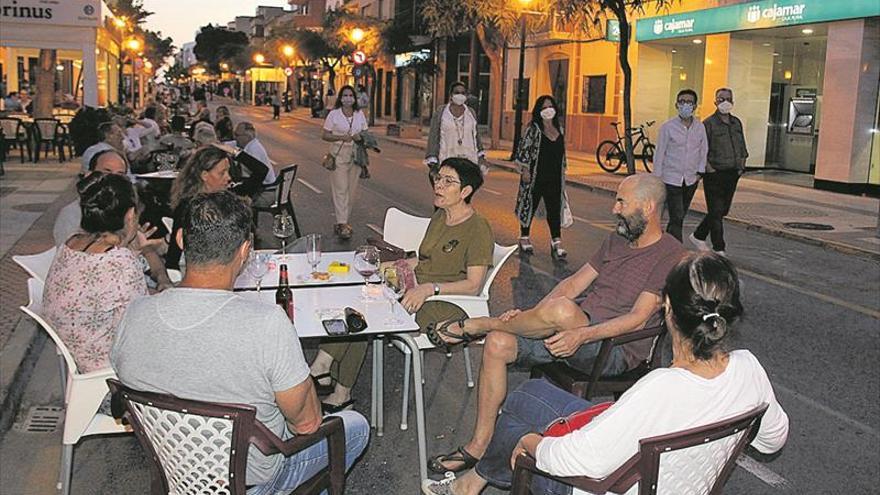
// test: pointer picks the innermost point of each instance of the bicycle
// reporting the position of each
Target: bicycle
(611, 155)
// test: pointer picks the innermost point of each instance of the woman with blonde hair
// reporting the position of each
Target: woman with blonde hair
(207, 171)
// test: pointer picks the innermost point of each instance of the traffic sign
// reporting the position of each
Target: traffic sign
(359, 57)
(288, 71)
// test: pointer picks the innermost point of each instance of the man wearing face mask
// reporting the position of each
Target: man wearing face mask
(680, 158)
(726, 162)
(454, 132)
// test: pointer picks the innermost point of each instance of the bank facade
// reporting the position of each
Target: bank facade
(805, 75)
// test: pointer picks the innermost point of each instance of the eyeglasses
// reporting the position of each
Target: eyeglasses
(444, 180)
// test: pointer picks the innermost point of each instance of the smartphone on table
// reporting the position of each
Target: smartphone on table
(335, 326)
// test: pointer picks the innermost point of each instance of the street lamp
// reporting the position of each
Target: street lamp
(520, 90)
(288, 51)
(259, 58)
(357, 35)
(133, 46)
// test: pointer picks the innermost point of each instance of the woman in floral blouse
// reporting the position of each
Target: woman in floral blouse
(96, 273)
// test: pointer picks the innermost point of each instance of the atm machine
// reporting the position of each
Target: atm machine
(801, 135)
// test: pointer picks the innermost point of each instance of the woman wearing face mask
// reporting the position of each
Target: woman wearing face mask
(541, 161)
(680, 158)
(342, 127)
(454, 132)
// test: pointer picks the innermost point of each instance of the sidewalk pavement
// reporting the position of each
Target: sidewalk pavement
(763, 202)
(30, 197)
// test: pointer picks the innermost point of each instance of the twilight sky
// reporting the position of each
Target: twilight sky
(181, 18)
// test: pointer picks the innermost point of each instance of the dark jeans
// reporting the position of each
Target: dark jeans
(276, 111)
(552, 195)
(719, 188)
(528, 409)
(533, 352)
(678, 201)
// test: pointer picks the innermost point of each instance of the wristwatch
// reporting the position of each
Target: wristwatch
(436, 289)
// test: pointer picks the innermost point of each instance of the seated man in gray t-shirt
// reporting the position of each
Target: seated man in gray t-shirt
(201, 341)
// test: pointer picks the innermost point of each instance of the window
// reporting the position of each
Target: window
(594, 94)
(525, 93)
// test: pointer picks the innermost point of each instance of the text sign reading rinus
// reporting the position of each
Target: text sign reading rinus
(752, 15)
(52, 12)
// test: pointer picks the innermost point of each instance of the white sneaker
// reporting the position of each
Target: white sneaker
(700, 245)
(442, 487)
(721, 253)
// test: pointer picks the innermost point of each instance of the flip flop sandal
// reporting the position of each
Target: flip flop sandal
(335, 408)
(463, 457)
(323, 389)
(433, 332)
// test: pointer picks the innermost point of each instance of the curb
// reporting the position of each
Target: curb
(827, 244)
(17, 362)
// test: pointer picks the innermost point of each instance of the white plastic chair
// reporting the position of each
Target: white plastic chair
(82, 395)
(406, 231)
(37, 265)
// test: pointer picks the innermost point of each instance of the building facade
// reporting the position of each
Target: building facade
(804, 73)
(87, 48)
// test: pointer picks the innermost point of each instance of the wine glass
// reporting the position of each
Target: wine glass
(393, 289)
(283, 228)
(313, 250)
(258, 266)
(366, 262)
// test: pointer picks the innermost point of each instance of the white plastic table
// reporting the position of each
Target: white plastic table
(311, 303)
(299, 272)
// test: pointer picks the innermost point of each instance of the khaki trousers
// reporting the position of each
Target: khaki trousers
(344, 181)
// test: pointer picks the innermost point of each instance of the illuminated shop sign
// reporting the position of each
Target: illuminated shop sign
(752, 15)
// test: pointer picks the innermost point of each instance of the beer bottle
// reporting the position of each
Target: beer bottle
(284, 296)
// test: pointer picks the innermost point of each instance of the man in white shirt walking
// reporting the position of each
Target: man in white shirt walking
(680, 159)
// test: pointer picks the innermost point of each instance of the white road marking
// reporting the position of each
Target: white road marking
(313, 188)
(492, 191)
(807, 292)
(762, 472)
(376, 229)
(827, 410)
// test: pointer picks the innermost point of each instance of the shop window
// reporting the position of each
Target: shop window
(593, 100)
(526, 82)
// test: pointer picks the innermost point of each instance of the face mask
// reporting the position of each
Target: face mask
(685, 110)
(459, 99)
(347, 100)
(725, 107)
(548, 113)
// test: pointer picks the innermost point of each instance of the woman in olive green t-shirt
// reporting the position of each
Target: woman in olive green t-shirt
(454, 257)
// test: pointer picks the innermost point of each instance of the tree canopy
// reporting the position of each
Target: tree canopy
(215, 45)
